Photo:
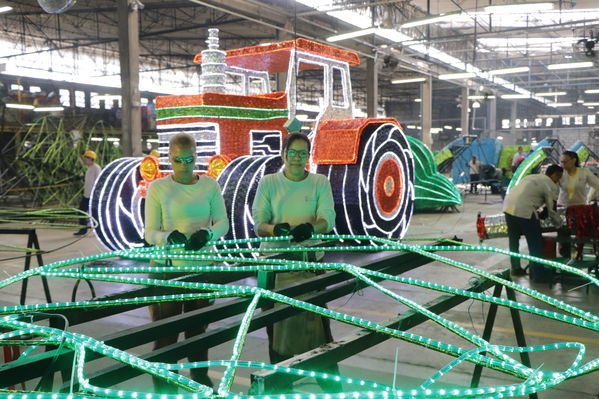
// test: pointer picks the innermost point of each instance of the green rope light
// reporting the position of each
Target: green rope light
(33, 217)
(484, 353)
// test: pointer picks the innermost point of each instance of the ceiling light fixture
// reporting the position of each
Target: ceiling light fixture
(514, 96)
(418, 100)
(19, 106)
(592, 104)
(460, 75)
(591, 91)
(560, 104)
(481, 97)
(571, 65)
(389, 34)
(475, 104)
(392, 34)
(351, 35)
(5, 9)
(430, 20)
(410, 80)
(519, 8)
(49, 109)
(551, 93)
(506, 71)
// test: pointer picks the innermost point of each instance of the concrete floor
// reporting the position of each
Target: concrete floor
(414, 363)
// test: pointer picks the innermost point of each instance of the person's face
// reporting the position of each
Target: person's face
(556, 177)
(296, 156)
(182, 160)
(567, 161)
(88, 161)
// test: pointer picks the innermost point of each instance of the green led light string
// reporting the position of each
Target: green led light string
(451, 326)
(142, 281)
(34, 217)
(424, 251)
(196, 285)
(229, 374)
(535, 382)
(411, 281)
(187, 269)
(271, 264)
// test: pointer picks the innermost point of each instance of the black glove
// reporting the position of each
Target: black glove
(281, 229)
(176, 237)
(302, 232)
(198, 240)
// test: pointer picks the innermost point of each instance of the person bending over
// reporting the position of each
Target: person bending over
(520, 208)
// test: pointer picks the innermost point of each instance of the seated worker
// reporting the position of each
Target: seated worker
(520, 208)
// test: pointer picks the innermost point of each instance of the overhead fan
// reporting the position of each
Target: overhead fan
(589, 45)
(56, 6)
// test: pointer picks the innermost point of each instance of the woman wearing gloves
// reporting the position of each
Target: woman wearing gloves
(295, 203)
(183, 208)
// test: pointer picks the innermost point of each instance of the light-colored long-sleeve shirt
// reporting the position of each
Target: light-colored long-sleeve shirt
(474, 167)
(280, 200)
(530, 194)
(91, 174)
(173, 206)
(573, 189)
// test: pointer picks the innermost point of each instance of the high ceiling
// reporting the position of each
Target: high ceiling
(172, 31)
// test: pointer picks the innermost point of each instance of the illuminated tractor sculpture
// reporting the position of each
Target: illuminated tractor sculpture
(239, 135)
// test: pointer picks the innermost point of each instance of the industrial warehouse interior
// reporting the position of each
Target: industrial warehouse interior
(299, 199)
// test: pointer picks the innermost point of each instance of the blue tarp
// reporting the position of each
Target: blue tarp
(487, 151)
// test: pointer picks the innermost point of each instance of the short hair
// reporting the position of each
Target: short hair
(182, 140)
(574, 155)
(553, 168)
(291, 137)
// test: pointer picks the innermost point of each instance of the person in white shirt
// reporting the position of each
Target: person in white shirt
(520, 208)
(474, 165)
(183, 208)
(517, 158)
(295, 203)
(574, 182)
(91, 174)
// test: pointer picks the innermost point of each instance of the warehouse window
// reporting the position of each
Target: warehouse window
(79, 99)
(65, 97)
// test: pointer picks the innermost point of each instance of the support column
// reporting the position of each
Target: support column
(464, 113)
(129, 59)
(372, 88)
(426, 110)
(492, 112)
(72, 99)
(513, 115)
